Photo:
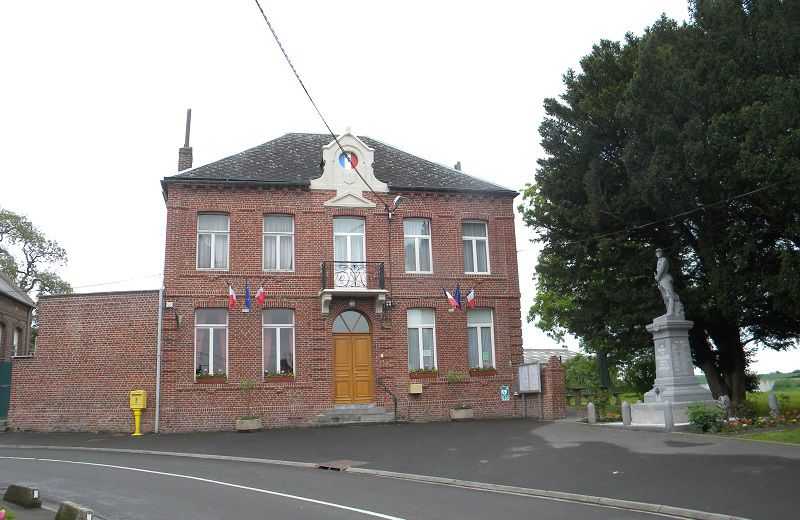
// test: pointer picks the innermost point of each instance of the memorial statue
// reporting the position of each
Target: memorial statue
(664, 281)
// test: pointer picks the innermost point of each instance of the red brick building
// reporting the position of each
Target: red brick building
(353, 251)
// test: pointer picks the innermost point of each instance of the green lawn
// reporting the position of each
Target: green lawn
(791, 435)
(760, 399)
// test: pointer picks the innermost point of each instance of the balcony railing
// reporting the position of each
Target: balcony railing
(352, 275)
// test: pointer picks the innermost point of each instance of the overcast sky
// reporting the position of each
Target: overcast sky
(94, 95)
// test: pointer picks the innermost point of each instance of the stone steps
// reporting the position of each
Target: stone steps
(353, 414)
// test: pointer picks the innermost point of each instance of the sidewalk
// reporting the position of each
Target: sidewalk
(749, 479)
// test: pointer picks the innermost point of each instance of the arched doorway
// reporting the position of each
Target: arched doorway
(352, 359)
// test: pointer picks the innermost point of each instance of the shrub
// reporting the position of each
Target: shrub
(706, 417)
(746, 410)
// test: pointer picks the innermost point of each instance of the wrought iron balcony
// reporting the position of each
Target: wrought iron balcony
(352, 280)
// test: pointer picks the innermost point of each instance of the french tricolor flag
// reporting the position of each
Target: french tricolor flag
(454, 304)
(231, 297)
(260, 294)
(348, 160)
(471, 299)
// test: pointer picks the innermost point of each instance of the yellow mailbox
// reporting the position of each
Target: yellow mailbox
(138, 403)
(138, 399)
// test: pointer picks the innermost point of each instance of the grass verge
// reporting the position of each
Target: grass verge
(791, 436)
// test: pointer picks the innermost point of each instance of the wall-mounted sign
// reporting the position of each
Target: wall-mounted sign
(530, 381)
(505, 393)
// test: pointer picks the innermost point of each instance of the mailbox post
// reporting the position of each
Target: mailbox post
(138, 403)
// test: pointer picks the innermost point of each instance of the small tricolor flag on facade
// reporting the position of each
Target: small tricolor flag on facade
(231, 297)
(260, 295)
(455, 298)
(471, 299)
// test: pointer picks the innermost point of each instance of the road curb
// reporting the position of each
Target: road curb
(645, 507)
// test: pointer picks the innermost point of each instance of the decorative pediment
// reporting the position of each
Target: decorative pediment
(349, 200)
(341, 171)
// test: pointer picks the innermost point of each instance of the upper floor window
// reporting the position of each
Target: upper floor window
(15, 338)
(211, 341)
(278, 243)
(278, 341)
(480, 338)
(476, 247)
(421, 339)
(417, 234)
(213, 236)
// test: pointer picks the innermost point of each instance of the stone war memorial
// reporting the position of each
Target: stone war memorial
(675, 386)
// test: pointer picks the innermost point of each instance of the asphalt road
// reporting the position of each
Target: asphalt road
(123, 486)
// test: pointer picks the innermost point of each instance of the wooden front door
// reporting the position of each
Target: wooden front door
(352, 368)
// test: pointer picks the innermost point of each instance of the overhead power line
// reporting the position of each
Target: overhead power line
(308, 94)
(118, 281)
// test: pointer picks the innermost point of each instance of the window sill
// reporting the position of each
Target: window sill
(212, 381)
(484, 372)
(22, 356)
(478, 273)
(279, 379)
(424, 375)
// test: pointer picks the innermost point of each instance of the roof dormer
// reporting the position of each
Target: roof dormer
(341, 169)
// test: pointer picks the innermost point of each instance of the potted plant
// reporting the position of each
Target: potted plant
(461, 411)
(278, 377)
(482, 371)
(210, 378)
(249, 422)
(423, 373)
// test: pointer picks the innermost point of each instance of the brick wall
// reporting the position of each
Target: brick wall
(554, 388)
(92, 350)
(189, 405)
(13, 315)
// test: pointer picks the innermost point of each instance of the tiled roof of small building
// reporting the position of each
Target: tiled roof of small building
(542, 355)
(13, 291)
(294, 159)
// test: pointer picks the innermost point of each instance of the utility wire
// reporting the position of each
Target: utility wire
(118, 281)
(296, 75)
(689, 212)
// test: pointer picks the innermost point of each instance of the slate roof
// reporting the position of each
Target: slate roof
(9, 288)
(294, 159)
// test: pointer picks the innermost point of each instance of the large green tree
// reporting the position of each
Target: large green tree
(685, 138)
(28, 256)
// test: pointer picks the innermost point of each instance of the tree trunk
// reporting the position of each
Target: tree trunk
(732, 360)
(706, 360)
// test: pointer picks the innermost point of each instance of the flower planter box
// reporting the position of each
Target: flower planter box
(279, 379)
(423, 375)
(461, 414)
(211, 380)
(248, 425)
(483, 373)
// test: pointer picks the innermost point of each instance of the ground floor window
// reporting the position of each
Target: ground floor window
(421, 339)
(211, 342)
(480, 338)
(278, 342)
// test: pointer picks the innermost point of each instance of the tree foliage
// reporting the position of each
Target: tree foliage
(29, 257)
(685, 138)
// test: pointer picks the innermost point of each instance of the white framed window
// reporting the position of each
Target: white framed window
(15, 338)
(278, 243)
(476, 246)
(421, 339)
(211, 342)
(278, 341)
(417, 235)
(480, 338)
(349, 252)
(213, 237)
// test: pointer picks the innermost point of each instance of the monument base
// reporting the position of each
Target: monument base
(656, 414)
(675, 386)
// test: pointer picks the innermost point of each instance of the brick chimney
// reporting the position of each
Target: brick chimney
(185, 152)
